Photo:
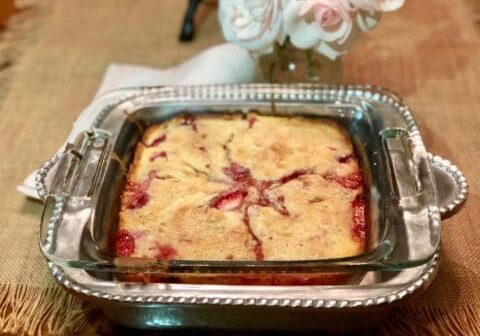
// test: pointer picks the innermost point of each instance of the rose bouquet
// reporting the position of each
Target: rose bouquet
(317, 27)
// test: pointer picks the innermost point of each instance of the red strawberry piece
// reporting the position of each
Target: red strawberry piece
(351, 181)
(157, 155)
(230, 200)
(251, 121)
(124, 243)
(165, 252)
(237, 172)
(346, 158)
(262, 187)
(259, 255)
(258, 249)
(263, 199)
(136, 195)
(157, 141)
(137, 200)
(359, 207)
(294, 175)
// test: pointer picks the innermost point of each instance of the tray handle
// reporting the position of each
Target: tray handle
(452, 187)
(84, 160)
(451, 184)
(71, 180)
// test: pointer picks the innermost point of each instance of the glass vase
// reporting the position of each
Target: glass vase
(288, 64)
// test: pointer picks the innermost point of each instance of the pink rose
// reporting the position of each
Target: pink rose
(325, 25)
(326, 13)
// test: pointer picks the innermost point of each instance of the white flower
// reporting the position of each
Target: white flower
(376, 5)
(331, 27)
(370, 11)
(252, 24)
(325, 25)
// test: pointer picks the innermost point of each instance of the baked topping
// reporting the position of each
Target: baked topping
(246, 191)
(278, 189)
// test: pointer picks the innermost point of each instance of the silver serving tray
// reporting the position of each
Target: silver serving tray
(157, 305)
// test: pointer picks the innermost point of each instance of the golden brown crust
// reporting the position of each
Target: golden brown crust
(230, 187)
(311, 279)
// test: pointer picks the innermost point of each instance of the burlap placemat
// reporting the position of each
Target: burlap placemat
(17, 22)
(429, 52)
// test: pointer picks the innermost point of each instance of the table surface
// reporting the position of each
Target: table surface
(428, 52)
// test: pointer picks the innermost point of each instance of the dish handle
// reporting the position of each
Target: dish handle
(68, 185)
(452, 186)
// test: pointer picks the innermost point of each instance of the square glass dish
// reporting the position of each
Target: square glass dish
(82, 184)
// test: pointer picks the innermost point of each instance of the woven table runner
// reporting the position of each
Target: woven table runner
(428, 52)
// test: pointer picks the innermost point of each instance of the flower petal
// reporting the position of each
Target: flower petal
(338, 32)
(252, 24)
(302, 35)
(335, 48)
(325, 49)
(391, 5)
(306, 6)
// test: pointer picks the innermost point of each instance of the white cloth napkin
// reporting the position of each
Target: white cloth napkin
(223, 64)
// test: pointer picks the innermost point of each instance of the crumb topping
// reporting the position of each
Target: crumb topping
(227, 187)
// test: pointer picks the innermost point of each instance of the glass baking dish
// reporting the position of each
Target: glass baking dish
(81, 186)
